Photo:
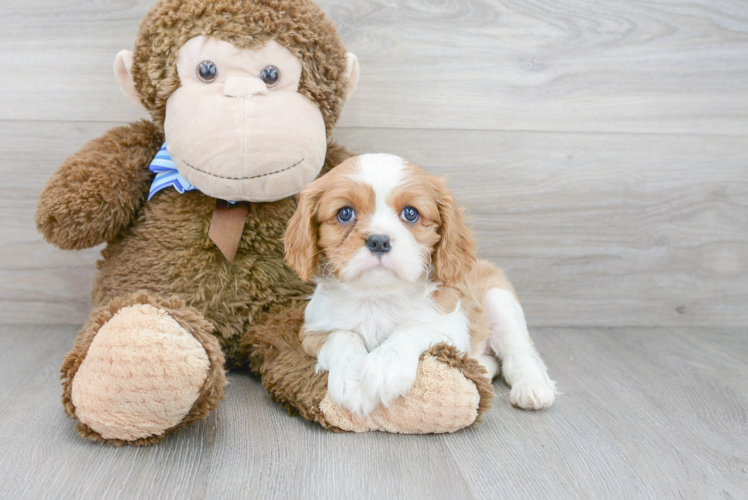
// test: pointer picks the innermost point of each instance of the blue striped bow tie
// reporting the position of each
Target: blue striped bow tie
(166, 174)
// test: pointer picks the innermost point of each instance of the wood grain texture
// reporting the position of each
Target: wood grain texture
(645, 413)
(593, 229)
(568, 65)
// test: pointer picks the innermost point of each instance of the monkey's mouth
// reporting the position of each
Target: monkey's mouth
(267, 174)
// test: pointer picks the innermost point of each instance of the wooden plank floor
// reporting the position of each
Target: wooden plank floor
(645, 413)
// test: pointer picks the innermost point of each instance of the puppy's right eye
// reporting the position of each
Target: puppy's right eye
(346, 214)
(409, 214)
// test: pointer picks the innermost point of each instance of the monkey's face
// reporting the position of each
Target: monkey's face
(237, 128)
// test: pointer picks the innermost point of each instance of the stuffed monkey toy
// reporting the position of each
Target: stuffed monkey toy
(192, 206)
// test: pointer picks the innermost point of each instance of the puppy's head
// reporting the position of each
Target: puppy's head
(381, 220)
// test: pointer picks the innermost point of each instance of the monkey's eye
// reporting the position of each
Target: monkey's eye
(346, 214)
(207, 71)
(270, 75)
(409, 214)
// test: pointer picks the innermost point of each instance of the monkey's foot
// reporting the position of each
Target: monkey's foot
(451, 392)
(142, 367)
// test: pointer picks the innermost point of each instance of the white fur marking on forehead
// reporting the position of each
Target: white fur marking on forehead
(383, 172)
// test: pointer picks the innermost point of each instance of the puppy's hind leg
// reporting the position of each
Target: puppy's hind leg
(521, 365)
(490, 364)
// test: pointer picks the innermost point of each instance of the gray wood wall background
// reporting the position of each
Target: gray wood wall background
(601, 147)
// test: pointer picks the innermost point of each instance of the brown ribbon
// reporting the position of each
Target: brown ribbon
(227, 226)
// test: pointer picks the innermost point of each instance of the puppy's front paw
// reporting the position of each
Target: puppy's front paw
(533, 393)
(344, 389)
(386, 374)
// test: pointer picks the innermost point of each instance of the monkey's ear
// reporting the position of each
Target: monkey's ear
(351, 73)
(123, 73)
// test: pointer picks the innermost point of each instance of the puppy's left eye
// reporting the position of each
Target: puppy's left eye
(346, 214)
(409, 214)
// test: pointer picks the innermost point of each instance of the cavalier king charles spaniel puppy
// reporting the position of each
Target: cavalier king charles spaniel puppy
(396, 272)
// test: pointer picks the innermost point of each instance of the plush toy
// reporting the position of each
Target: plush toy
(192, 207)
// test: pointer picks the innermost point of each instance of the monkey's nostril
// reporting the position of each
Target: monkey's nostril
(378, 243)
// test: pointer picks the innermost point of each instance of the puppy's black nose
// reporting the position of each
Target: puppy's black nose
(378, 243)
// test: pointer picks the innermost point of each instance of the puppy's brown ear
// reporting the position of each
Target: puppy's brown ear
(302, 253)
(455, 255)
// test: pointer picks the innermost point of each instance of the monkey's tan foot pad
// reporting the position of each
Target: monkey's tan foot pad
(143, 373)
(450, 393)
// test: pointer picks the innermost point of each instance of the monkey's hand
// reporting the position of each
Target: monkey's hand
(97, 191)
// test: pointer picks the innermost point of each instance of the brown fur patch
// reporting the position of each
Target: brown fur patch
(96, 192)
(312, 342)
(485, 276)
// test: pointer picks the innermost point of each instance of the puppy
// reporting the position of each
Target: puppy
(396, 273)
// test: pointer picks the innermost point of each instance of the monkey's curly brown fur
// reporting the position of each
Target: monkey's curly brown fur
(97, 191)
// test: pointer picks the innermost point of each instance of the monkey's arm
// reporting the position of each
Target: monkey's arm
(96, 192)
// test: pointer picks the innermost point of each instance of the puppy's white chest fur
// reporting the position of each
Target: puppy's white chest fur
(375, 314)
